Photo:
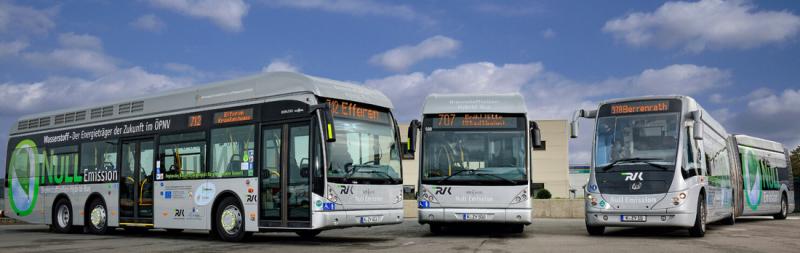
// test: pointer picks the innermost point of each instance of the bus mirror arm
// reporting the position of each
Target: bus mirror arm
(327, 120)
(697, 132)
(573, 125)
(413, 129)
(536, 135)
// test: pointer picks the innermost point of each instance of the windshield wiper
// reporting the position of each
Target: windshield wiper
(627, 160)
(356, 169)
(475, 172)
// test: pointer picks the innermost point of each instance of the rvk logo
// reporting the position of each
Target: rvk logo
(633, 176)
(346, 189)
(439, 190)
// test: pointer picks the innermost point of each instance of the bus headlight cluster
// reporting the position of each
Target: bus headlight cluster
(679, 198)
(591, 199)
(399, 197)
(425, 195)
(332, 197)
(521, 197)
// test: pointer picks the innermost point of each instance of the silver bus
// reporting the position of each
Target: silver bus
(271, 152)
(475, 160)
(657, 161)
(762, 177)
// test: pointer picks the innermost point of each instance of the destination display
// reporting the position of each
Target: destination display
(233, 116)
(474, 120)
(640, 107)
(352, 110)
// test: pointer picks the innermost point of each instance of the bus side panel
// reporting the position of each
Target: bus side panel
(37, 212)
(182, 204)
(246, 189)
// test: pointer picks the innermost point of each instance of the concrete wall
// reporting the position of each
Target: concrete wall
(542, 208)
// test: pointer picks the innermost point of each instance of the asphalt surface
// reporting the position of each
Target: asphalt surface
(545, 235)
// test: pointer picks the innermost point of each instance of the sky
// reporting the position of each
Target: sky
(739, 59)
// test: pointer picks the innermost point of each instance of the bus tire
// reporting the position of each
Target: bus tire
(699, 228)
(518, 228)
(436, 228)
(97, 220)
(308, 234)
(731, 220)
(230, 220)
(595, 230)
(784, 209)
(62, 216)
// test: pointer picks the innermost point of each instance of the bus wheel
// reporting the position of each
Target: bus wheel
(230, 224)
(699, 228)
(518, 228)
(436, 228)
(98, 217)
(62, 216)
(308, 234)
(595, 230)
(784, 209)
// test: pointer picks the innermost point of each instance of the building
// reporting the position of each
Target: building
(550, 163)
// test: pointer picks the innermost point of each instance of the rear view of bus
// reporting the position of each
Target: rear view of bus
(763, 177)
(657, 161)
(475, 160)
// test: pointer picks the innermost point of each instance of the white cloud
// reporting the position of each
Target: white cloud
(355, 7)
(772, 104)
(706, 24)
(280, 65)
(18, 20)
(400, 58)
(78, 52)
(686, 79)
(548, 33)
(768, 115)
(12, 48)
(227, 14)
(149, 22)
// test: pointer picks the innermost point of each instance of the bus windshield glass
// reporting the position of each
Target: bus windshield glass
(461, 152)
(644, 138)
(365, 150)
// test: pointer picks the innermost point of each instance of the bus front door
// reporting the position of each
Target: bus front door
(285, 195)
(136, 186)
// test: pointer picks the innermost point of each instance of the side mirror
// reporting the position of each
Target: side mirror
(574, 127)
(697, 116)
(413, 129)
(327, 120)
(536, 135)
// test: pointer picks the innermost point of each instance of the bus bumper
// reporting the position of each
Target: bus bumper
(654, 218)
(358, 218)
(472, 215)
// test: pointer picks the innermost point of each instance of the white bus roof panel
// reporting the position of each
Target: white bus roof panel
(759, 143)
(474, 103)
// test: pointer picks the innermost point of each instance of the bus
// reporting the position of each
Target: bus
(762, 177)
(475, 160)
(657, 161)
(271, 152)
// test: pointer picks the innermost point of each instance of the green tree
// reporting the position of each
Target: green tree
(795, 157)
(543, 194)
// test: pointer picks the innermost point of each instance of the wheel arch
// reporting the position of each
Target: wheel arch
(222, 195)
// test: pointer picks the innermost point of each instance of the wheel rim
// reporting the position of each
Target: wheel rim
(63, 216)
(231, 220)
(98, 217)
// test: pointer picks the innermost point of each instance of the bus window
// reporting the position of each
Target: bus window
(63, 166)
(232, 151)
(99, 161)
(183, 156)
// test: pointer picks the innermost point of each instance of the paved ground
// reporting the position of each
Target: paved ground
(545, 235)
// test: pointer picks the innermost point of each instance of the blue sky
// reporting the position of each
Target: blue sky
(738, 58)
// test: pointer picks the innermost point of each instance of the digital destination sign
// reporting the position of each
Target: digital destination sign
(233, 116)
(474, 120)
(195, 120)
(640, 107)
(358, 111)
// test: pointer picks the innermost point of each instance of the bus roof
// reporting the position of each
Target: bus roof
(259, 86)
(691, 105)
(474, 103)
(755, 142)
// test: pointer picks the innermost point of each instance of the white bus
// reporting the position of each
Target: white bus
(475, 160)
(762, 177)
(270, 152)
(657, 161)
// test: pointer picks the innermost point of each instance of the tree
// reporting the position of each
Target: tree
(795, 157)
(543, 194)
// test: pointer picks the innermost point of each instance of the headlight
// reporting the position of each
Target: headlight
(399, 197)
(679, 198)
(425, 195)
(332, 197)
(591, 199)
(520, 197)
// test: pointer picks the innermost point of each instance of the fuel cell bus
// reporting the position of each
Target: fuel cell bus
(475, 160)
(657, 161)
(762, 177)
(271, 152)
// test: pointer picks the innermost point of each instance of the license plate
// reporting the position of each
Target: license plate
(633, 218)
(369, 219)
(475, 216)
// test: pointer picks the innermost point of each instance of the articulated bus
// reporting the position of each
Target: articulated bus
(762, 177)
(475, 160)
(271, 152)
(657, 161)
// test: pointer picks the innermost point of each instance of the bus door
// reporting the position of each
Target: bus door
(136, 186)
(285, 193)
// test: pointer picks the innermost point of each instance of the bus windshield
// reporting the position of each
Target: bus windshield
(644, 138)
(364, 152)
(488, 157)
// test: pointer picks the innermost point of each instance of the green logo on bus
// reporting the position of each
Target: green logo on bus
(24, 178)
(757, 175)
